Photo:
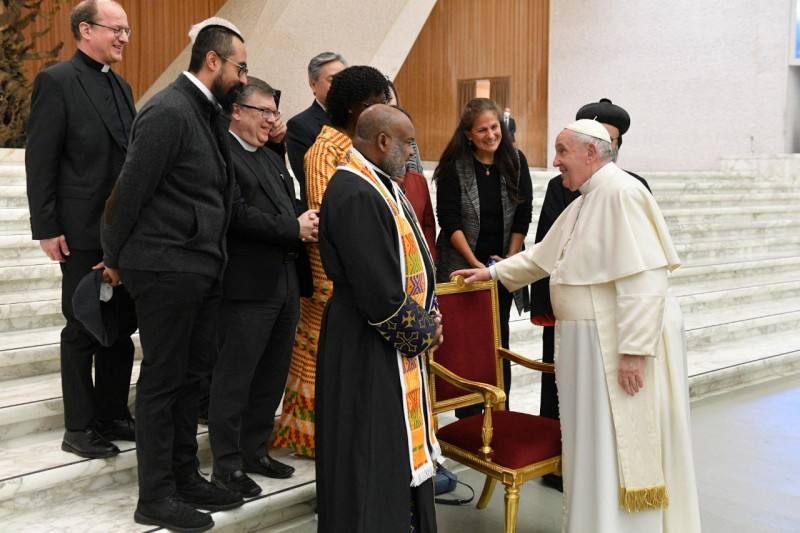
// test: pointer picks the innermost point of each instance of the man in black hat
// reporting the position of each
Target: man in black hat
(617, 121)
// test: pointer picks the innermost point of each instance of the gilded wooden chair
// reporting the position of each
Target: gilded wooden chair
(506, 446)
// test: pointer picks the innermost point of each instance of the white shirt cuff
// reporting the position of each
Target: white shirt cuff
(493, 272)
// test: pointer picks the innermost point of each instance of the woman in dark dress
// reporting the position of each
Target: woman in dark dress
(483, 202)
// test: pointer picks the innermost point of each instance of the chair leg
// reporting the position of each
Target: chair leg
(512, 504)
(486, 495)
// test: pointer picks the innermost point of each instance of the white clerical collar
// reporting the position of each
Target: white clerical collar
(200, 85)
(105, 68)
(321, 105)
(597, 178)
(246, 145)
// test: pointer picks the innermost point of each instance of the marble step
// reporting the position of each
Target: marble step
(103, 492)
(29, 274)
(29, 353)
(30, 309)
(707, 215)
(14, 219)
(744, 199)
(690, 186)
(19, 246)
(734, 230)
(12, 174)
(705, 249)
(13, 196)
(35, 352)
(33, 404)
(732, 270)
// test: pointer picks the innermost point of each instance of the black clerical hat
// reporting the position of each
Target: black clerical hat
(607, 113)
(98, 317)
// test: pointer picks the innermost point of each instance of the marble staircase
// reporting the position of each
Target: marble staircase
(739, 289)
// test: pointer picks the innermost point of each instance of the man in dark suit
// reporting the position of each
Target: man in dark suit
(164, 231)
(304, 127)
(81, 115)
(510, 124)
(261, 301)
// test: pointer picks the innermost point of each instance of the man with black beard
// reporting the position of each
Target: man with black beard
(163, 234)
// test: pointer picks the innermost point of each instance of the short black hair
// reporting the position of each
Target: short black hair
(218, 39)
(85, 11)
(352, 86)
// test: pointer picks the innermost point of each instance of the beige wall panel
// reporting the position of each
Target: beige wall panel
(282, 35)
(464, 39)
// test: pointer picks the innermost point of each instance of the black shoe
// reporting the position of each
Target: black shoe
(119, 429)
(202, 494)
(173, 514)
(553, 481)
(88, 443)
(269, 467)
(239, 482)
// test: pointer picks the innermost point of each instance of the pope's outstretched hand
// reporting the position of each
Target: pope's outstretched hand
(471, 275)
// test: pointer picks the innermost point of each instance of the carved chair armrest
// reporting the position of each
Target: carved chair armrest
(492, 396)
(537, 364)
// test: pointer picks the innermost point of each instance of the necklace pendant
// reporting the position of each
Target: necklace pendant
(487, 172)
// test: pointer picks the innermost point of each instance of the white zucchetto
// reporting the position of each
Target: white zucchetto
(590, 127)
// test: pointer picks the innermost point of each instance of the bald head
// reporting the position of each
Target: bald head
(384, 135)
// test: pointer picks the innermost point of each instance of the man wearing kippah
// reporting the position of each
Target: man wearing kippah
(621, 359)
(617, 121)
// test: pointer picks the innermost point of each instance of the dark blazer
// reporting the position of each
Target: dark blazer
(176, 194)
(301, 132)
(74, 153)
(254, 262)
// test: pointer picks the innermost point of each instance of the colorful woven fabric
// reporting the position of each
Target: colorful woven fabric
(295, 429)
(411, 319)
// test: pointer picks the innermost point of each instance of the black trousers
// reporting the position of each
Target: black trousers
(250, 373)
(504, 301)
(549, 395)
(107, 397)
(178, 318)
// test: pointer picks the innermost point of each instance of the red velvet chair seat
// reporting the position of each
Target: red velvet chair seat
(519, 439)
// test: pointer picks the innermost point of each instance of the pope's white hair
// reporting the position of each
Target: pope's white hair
(604, 151)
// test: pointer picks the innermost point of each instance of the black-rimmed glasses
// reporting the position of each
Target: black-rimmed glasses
(243, 70)
(266, 114)
(118, 31)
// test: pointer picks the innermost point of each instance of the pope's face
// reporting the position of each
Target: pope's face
(572, 159)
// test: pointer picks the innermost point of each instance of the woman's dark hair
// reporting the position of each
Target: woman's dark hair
(506, 158)
(352, 86)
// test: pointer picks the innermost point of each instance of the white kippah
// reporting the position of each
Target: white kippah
(213, 21)
(590, 127)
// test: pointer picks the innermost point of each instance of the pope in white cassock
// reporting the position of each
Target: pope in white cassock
(620, 347)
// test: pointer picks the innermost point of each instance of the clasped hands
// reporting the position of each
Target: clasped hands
(309, 225)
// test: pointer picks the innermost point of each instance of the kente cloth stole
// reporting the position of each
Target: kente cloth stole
(423, 447)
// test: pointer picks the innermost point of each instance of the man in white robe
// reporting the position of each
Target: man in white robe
(620, 347)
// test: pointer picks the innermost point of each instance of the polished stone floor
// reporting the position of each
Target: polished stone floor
(747, 453)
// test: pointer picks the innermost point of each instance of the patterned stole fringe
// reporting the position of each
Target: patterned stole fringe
(423, 447)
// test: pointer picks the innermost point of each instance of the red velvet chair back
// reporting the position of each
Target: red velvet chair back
(471, 336)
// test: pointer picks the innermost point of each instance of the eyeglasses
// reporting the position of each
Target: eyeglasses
(118, 31)
(266, 114)
(243, 70)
